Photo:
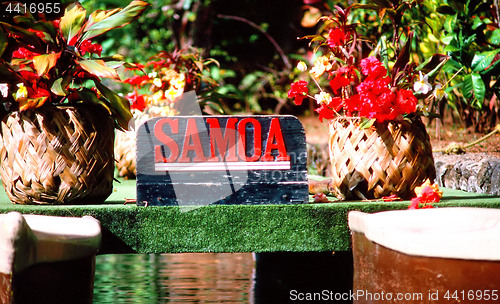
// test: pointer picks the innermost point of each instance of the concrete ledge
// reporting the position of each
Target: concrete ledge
(230, 228)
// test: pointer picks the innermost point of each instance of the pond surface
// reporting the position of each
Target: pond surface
(218, 277)
(174, 278)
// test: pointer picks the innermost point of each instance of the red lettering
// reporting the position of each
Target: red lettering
(166, 140)
(257, 139)
(223, 143)
(192, 135)
(275, 142)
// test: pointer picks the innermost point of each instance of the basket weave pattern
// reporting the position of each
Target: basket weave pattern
(57, 155)
(386, 159)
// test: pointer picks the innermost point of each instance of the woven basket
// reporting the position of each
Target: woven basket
(125, 147)
(57, 155)
(389, 158)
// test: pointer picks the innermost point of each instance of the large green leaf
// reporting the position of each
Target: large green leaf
(119, 105)
(479, 87)
(98, 68)
(118, 19)
(482, 60)
(43, 63)
(495, 37)
(73, 20)
(3, 41)
(433, 65)
(468, 86)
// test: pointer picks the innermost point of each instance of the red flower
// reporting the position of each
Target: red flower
(29, 76)
(24, 53)
(337, 37)
(156, 64)
(137, 80)
(406, 101)
(372, 67)
(137, 101)
(87, 46)
(325, 112)
(338, 82)
(298, 91)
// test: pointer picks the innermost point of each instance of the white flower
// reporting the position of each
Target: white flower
(439, 92)
(157, 82)
(422, 85)
(321, 64)
(152, 74)
(22, 92)
(323, 97)
(4, 89)
(302, 66)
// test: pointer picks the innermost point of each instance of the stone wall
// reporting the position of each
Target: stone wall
(471, 172)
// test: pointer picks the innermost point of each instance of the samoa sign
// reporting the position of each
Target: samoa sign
(201, 160)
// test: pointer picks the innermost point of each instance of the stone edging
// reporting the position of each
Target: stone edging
(471, 172)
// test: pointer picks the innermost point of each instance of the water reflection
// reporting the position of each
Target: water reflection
(169, 278)
(221, 277)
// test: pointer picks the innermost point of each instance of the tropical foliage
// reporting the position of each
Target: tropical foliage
(56, 62)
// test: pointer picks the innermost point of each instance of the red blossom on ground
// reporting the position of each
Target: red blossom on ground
(427, 195)
(298, 91)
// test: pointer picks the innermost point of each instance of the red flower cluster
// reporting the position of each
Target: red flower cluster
(298, 91)
(92, 48)
(375, 99)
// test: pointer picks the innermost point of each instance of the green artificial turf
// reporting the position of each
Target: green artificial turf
(128, 228)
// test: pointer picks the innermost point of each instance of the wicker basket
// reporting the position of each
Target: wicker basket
(386, 159)
(57, 155)
(125, 147)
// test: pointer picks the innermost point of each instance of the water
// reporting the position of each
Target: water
(219, 277)
(174, 278)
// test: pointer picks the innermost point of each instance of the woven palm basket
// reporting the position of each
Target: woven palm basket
(57, 155)
(125, 147)
(389, 158)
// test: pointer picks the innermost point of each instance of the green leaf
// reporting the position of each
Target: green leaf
(118, 19)
(73, 20)
(43, 63)
(366, 123)
(3, 41)
(479, 87)
(59, 86)
(481, 61)
(98, 68)
(468, 86)
(26, 38)
(90, 96)
(119, 105)
(433, 65)
(446, 10)
(495, 37)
